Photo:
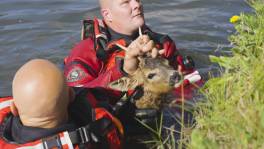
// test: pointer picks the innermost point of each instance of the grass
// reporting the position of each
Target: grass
(232, 115)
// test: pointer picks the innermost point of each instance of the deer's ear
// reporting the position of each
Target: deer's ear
(124, 84)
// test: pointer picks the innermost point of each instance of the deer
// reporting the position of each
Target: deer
(156, 78)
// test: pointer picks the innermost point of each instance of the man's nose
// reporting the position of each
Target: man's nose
(136, 4)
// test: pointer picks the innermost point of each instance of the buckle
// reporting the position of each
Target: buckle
(83, 134)
(52, 142)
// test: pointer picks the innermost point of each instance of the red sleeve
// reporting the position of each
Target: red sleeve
(173, 55)
(171, 52)
(84, 69)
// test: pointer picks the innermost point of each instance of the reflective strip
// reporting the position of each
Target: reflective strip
(67, 140)
(5, 104)
(37, 146)
(64, 140)
(101, 23)
(101, 35)
(193, 77)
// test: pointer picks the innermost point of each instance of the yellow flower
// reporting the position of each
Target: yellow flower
(234, 19)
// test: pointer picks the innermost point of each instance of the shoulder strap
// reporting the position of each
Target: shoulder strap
(59, 141)
(96, 30)
(92, 133)
(87, 29)
(5, 103)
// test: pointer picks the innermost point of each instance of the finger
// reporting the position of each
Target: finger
(135, 51)
(143, 39)
(154, 52)
(148, 47)
(148, 54)
(122, 47)
(162, 51)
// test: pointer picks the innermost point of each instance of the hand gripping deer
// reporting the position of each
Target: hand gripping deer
(154, 75)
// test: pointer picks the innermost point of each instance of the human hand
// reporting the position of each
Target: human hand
(139, 47)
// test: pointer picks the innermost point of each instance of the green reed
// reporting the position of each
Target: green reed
(233, 114)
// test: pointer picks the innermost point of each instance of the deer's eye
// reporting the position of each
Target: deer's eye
(151, 75)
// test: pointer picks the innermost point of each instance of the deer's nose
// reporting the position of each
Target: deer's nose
(174, 78)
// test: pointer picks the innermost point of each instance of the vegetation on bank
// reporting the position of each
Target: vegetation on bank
(232, 115)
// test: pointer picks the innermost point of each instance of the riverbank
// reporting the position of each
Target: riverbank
(233, 114)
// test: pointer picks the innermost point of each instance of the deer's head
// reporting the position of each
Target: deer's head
(155, 74)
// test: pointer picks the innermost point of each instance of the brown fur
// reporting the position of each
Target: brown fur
(155, 75)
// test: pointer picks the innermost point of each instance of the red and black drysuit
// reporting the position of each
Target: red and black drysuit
(87, 128)
(96, 60)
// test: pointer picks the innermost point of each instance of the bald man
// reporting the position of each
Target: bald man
(41, 96)
(43, 106)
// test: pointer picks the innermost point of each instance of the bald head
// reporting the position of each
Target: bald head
(40, 94)
(122, 16)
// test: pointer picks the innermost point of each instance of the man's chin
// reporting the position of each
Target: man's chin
(139, 21)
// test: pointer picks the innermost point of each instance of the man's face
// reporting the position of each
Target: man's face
(127, 15)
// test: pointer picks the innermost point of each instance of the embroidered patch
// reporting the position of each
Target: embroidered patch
(76, 74)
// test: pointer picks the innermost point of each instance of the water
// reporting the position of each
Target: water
(48, 29)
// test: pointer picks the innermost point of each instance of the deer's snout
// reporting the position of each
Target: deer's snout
(174, 78)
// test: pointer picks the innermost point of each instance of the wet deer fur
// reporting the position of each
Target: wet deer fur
(155, 76)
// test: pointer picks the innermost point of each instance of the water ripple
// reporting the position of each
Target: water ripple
(48, 29)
